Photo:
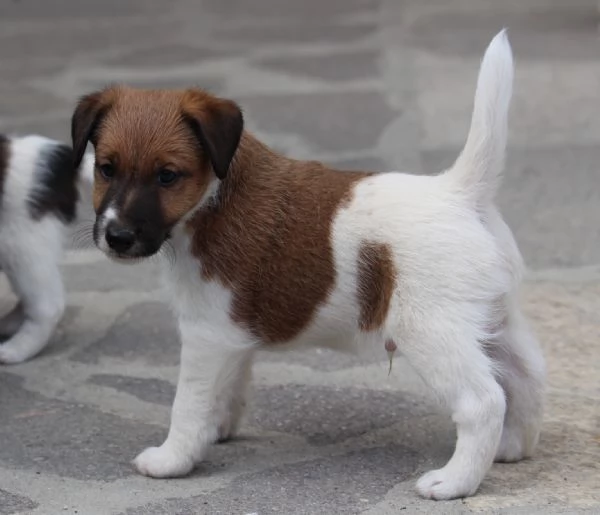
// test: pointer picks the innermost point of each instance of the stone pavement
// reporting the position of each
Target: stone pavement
(375, 84)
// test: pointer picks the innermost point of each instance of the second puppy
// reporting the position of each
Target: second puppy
(39, 193)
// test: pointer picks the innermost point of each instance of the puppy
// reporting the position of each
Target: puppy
(39, 189)
(266, 250)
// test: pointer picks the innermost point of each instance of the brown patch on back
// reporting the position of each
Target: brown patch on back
(376, 283)
(268, 238)
(4, 157)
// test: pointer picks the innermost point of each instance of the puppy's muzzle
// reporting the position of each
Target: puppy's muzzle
(119, 238)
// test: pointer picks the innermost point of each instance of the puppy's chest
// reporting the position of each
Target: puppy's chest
(191, 295)
(272, 295)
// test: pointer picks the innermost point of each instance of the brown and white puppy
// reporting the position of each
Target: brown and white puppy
(268, 250)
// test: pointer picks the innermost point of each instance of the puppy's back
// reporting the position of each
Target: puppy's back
(37, 179)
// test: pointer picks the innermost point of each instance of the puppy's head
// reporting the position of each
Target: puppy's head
(157, 153)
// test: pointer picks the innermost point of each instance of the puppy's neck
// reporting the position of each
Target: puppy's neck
(255, 172)
(254, 165)
(253, 179)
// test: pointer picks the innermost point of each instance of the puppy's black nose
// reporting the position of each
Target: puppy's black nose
(119, 239)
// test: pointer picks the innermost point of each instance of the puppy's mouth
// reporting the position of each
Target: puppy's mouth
(127, 259)
(139, 252)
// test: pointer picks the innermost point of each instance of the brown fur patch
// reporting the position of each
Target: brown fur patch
(268, 238)
(4, 156)
(376, 282)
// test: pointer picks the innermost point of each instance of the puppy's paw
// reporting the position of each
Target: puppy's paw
(230, 420)
(445, 484)
(225, 432)
(516, 444)
(510, 449)
(12, 354)
(228, 428)
(163, 462)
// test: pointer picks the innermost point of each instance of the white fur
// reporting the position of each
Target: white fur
(30, 254)
(102, 222)
(454, 314)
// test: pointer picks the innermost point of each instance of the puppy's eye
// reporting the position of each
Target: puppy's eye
(167, 177)
(107, 170)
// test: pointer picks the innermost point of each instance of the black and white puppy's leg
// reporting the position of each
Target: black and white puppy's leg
(31, 261)
(39, 190)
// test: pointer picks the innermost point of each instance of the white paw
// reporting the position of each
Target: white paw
(11, 355)
(225, 432)
(162, 462)
(510, 449)
(445, 484)
(516, 444)
(228, 427)
(230, 421)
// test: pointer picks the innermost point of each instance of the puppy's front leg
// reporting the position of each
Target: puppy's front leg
(209, 368)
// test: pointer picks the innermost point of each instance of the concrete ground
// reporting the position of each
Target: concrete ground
(375, 84)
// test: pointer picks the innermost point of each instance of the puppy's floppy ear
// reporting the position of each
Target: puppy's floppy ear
(217, 123)
(85, 120)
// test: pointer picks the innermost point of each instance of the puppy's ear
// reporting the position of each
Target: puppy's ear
(85, 120)
(217, 124)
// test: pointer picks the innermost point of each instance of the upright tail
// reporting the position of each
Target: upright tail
(479, 166)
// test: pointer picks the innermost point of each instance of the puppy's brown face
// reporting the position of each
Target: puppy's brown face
(157, 154)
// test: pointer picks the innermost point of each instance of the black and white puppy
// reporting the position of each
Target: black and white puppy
(39, 192)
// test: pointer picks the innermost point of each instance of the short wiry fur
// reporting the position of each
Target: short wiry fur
(38, 200)
(269, 250)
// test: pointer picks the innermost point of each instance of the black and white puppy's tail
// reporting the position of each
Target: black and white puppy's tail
(478, 168)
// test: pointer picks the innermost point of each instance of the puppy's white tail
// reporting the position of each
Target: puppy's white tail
(478, 168)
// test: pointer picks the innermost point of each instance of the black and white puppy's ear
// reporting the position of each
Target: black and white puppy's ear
(217, 124)
(86, 119)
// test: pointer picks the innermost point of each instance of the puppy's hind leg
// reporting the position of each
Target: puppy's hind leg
(449, 358)
(520, 369)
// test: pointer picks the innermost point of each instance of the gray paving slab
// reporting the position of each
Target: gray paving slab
(360, 84)
(11, 503)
